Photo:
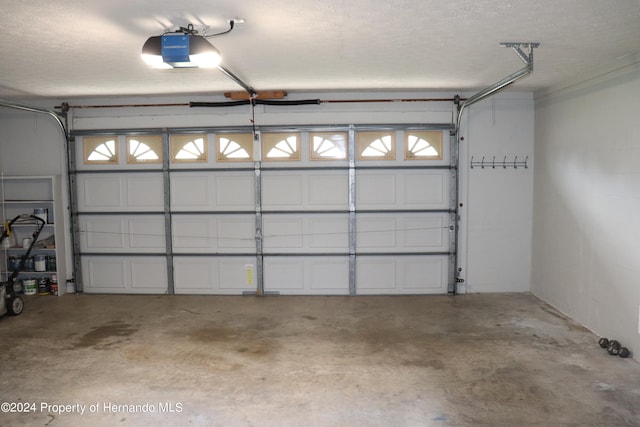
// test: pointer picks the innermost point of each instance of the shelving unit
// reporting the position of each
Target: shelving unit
(23, 195)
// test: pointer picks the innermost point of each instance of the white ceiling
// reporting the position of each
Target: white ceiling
(88, 48)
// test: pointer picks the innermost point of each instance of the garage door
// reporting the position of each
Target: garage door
(325, 211)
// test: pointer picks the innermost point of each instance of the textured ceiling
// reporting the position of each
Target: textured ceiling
(83, 48)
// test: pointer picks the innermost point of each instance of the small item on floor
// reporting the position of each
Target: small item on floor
(614, 348)
(53, 286)
(71, 286)
(29, 286)
(43, 286)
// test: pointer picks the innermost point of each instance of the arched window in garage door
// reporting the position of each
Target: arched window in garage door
(144, 149)
(423, 145)
(189, 148)
(328, 145)
(376, 145)
(100, 149)
(281, 146)
(234, 147)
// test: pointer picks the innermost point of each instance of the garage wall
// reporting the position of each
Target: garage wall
(496, 212)
(499, 195)
(587, 199)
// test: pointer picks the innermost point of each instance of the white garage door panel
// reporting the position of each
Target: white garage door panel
(214, 275)
(307, 275)
(396, 189)
(284, 274)
(148, 273)
(290, 233)
(401, 274)
(426, 189)
(303, 227)
(282, 191)
(213, 233)
(139, 233)
(402, 232)
(120, 192)
(235, 190)
(192, 191)
(329, 189)
(104, 274)
(374, 274)
(376, 189)
(144, 275)
(144, 191)
(98, 192)
(300, 190)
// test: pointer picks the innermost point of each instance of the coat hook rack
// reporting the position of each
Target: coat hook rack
(505, 163)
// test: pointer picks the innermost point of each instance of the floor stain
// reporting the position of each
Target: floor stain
(227, 340)
(433, 364)
(102, 337)
(213, 334)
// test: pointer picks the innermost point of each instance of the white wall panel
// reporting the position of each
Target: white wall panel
(134, 233)
(410, 274)
(140, 274)
(398, 189)
(500, 201)
(214, 275)
(120, 192)
(213, 233)
(305, 190)
(193, 191)
(296, 275)
(402, 232)
(305, 233)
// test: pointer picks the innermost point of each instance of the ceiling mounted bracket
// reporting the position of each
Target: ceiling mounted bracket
(498, 86)
(517, 48)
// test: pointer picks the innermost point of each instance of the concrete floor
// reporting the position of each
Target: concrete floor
(471, 360)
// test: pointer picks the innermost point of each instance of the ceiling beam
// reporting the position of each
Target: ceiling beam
(261, 94)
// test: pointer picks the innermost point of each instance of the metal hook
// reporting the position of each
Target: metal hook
(525, 162)
(515, 162)
(482, 165)
(504, 162)
(493, 162)
(471, 162)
